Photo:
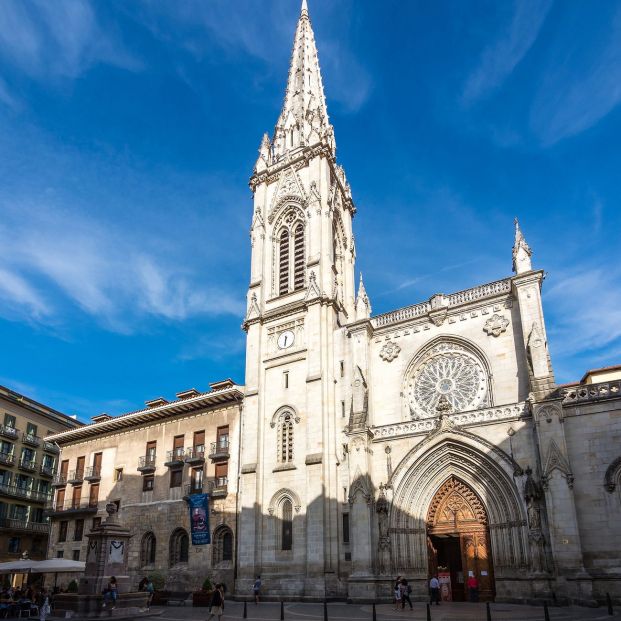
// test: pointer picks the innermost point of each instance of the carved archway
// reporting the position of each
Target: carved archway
(458, 540)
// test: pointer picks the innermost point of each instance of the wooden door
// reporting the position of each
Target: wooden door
(93, 496)
(80, 466)
(97, 463)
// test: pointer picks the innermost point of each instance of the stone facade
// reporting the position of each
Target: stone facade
(150, 462)
(27, 466)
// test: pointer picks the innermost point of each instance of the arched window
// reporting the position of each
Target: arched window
(222, 545)
(298, 265)
(283, 278)
(179, 547)
(285, 437)
(286, 536)
(147, 549)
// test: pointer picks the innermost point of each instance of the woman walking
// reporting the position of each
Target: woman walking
(397, 593)
(216, 606)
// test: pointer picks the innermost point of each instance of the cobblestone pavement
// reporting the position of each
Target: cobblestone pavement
(352, 612)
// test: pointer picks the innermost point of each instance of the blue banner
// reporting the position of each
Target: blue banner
(199, 519)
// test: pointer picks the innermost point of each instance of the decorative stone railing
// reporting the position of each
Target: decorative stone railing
(591, 392)
(454, 299)
(460, 419)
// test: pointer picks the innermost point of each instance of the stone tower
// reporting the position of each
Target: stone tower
(301, 292)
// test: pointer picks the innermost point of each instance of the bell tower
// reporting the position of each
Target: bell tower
(301, 293)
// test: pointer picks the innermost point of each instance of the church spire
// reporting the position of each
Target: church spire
(521, 252)
(304, 119)
(363, 305)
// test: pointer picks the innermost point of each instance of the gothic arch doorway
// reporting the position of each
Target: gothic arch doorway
(458, 541)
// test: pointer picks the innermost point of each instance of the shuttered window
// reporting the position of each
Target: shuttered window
(283, 279)
(298, 266)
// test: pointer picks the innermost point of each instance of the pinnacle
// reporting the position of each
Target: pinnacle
(304, 9)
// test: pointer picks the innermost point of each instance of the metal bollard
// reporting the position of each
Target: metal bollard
(489, 612)
(546, 614)
(325, 610)
(374, 613)
(282, 611)
(245, 609)
(428, 613)
(609, 602)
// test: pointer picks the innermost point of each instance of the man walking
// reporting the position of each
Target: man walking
(405, 590)
(434, 587)
(256, 587)
(473, 588)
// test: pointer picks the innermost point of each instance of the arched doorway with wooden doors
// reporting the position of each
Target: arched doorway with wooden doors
(458, 542)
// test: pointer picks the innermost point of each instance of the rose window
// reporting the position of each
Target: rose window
(448, 371)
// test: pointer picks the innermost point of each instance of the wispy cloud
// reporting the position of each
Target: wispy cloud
(101, 270)
(57, 39)
(502, 56)
(582, 85)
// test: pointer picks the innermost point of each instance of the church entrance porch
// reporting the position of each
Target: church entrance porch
(458, 542)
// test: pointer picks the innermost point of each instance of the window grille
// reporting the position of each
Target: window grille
(298, 266)
(283, 281)
(285, 447)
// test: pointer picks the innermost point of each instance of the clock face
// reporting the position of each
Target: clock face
(286, 339)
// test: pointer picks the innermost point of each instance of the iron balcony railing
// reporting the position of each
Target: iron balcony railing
(77, 506)
(193, 488)
(19, 491)
(24, 525)
(9, 432)
(219, 449)
(195, 454)
(31, 438)
(146, 462)
(60, 479)
(47, 470)
(92, 473)
(7, 459)
(175, 457)
(76, 476)
(50, 447)
(27, 464)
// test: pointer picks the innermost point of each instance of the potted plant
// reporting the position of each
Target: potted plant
(72, 587)
(202, 598)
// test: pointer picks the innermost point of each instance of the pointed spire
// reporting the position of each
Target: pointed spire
(363, 305)
(304, 116)
(265, 154)
(521, 252)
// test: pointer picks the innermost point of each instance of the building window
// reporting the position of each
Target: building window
(62, 531)
(342, 367)
(283, 279)
(118, 474)
(345, 527)
(179, 547)
(96, 522)
(31, 430)
(78, 533)
(222, 437)
(60, 554)
(285, 378)
(76, 555)
(286, 537)
(147, 550)
(176, 477)
(285, 437)
(222, 545)
(9, 421)
(93, 495)
(147, 483)
(298, 259)
(178, 450)
(15, 544)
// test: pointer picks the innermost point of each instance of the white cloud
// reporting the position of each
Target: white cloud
(581, 86)
(20, 298)
(500, 58)
(57, 39)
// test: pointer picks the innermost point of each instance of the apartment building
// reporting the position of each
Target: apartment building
(27, 467)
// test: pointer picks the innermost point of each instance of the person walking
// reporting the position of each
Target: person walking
(397, 592)
(150, 589)
(405, 590)
(434, 587)
(216, 605)
(473, 588)
(256, 588)
(113, 591)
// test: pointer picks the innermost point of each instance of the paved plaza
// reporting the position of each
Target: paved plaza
(385, 612)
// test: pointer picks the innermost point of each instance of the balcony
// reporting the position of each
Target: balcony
(50, 447)
(60, 480)
(9, 432)
(7, 459)
(18, 491)
(195, 456)
(219, 450)
(45, 470)
(192, 488)
(146, 464)
(174, 458)
(27, 465)
(92, 474)
(76, 477)
(31, 439)
(71, 507)
(24, 526)
(219, 487)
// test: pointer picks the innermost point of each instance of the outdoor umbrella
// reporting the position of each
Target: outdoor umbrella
(17, 567)
(57, 566)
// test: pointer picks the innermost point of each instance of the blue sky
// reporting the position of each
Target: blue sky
(128, 132)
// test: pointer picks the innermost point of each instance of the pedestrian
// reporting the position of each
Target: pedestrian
(150, 589)
(434, 587)
(473, 588)
(143, 583)
(256, 588)
(405, 589)
(396, 589)
(44, 605)
(113, 591)
(216, 605)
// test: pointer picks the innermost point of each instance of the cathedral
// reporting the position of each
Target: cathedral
(430, 440)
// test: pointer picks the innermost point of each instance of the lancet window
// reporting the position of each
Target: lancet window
(222, 545)
(285, 437)
(179, 547)
(286, 519)
(147, 553)
(291, 245)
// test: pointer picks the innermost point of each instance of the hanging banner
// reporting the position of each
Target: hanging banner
(199, 519)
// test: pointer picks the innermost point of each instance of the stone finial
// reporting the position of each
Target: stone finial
(111, 510)
(521, 252)
(363, 305)
(265, 154)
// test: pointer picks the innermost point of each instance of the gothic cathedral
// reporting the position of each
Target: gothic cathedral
(428, 440)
